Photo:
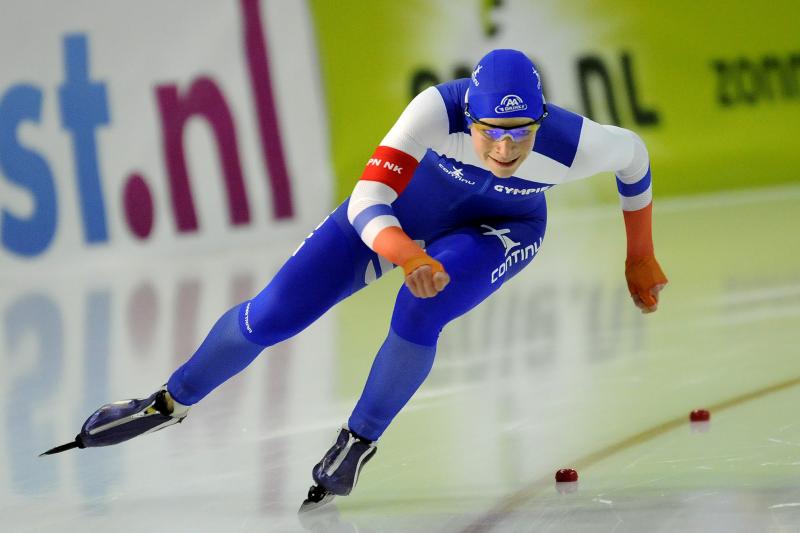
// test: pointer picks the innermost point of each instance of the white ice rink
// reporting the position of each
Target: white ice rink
(556, 370)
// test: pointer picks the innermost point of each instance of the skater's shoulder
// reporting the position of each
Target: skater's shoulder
(559, 136)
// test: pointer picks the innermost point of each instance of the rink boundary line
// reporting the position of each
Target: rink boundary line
(491, 518)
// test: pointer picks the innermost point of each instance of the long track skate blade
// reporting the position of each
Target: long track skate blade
(311, 504)
(64, 447)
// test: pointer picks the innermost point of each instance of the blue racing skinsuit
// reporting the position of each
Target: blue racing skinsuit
(427, 180)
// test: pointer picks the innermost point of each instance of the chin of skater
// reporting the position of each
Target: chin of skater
(454, 195)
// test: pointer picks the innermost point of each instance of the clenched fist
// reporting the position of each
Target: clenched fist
(645, 281)
(425, 276)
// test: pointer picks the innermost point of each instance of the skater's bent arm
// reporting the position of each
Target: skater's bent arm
(421, 126)
(609, 148)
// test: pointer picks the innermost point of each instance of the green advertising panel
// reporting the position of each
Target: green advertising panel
(716, 97)
(714, 89)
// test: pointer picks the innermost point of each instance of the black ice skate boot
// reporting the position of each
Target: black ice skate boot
(337, 473)
(120, 421)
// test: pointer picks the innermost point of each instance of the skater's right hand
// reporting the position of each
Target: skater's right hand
(425, 276)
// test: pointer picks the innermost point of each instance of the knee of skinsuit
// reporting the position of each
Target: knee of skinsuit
(264, 322)
(417, 320)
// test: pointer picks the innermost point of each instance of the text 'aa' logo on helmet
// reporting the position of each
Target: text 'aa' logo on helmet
(511, 103)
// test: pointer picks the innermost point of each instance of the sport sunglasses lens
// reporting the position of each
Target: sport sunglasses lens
(517, 134)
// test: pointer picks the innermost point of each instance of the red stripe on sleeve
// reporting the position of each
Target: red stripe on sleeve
(390, 166)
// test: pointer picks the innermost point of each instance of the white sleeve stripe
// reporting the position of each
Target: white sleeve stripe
(634, 177)
(634, 203)
(375, 226)
(367, 194)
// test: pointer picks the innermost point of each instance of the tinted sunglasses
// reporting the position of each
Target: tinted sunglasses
(496, 133)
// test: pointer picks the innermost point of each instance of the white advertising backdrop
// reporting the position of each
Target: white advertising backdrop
(83, 109)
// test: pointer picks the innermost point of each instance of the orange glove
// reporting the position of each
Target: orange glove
(645, 281)
(415, 262)
(645, 278)
(425, 276)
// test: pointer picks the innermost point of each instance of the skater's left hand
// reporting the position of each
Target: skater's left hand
(645, 281)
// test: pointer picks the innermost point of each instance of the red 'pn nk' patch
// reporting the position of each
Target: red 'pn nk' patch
(391, 167)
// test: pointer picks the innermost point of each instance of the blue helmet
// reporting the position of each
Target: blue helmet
(505, 84)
